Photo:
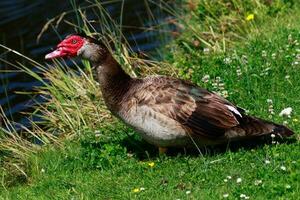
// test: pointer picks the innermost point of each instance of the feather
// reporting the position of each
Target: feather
(199, 111)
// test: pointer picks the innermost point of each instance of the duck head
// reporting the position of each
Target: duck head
(77, 45)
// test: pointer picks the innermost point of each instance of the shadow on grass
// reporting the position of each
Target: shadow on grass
(144, 150)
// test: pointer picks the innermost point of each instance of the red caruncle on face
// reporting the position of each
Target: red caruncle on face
(67, 48)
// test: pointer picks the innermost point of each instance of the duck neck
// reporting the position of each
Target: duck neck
(114, 82)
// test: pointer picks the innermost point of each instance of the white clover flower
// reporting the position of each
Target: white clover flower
(224, 93)
(273, 135)
(221, 85)
(227, 60)
(239, 72)
(142, 189)
(290, 38)
(98, 135)
(287, 77)
(270, 101)
(238, 180)
(205, 78)
(257, 182)
(267, 161)
(286, 112)
(244, 59)
(226, 195)
(271, 109)
(243, 196)
(206, 50)
(283, 168)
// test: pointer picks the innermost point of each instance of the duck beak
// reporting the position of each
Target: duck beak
(59, 52)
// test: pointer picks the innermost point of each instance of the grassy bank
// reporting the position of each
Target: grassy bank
(98, 157)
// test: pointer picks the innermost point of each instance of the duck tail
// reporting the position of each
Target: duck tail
(283, 131)
(253, 127)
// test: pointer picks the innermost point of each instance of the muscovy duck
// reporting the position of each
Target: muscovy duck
(167, 112)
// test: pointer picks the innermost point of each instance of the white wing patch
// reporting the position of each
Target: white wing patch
(233, 109)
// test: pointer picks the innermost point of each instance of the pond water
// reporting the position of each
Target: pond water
(22, 20)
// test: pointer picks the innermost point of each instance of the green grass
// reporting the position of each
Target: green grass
(71, 173)
(104, 159)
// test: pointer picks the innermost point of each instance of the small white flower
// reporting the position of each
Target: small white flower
(238, 180)
(206, 50)
(257, 182)
(224, 93)
(267, 161)
(43, 170)
(286, 112)
(287, 77)
(287, 186)
(273, 135)
(270, 101)
(205, 78)
(188, 192)
(226, 195)
(239, 72)
(229, 177)
(227, 60)
(221, 85)
(243, 196)
(283, 168)
(142, 189)
(129, 155)
(244, 59)
(225, 180)
(264, 54)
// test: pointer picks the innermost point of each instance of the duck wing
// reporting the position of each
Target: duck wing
(199, 111)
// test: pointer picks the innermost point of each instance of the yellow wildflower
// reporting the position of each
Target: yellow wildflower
(151, 164)
(136, 190)
(250, 17)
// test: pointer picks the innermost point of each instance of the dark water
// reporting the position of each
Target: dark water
(22, 20)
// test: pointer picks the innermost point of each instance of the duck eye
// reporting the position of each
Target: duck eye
(74, 41)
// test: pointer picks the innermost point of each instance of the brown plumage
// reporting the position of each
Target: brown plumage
(167, 111)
